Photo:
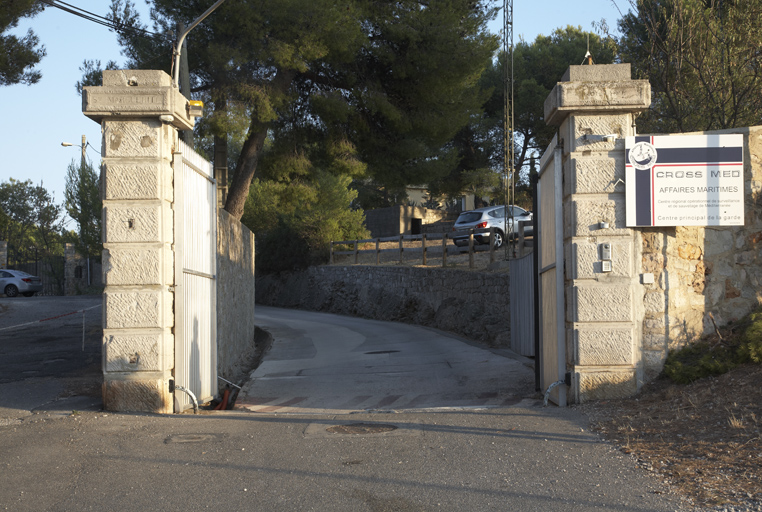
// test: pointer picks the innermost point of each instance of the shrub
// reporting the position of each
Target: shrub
(705, 358)
(282, 249)
(698, 361)
(751, 346)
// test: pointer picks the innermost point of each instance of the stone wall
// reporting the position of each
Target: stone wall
(76, 270)
(703, 270)
(235, 298)
(473, 304)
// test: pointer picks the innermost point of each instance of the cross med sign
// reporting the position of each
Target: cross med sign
(684, 180)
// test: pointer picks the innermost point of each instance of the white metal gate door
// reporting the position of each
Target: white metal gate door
(549, 220)
(522, 304)
(195, 277)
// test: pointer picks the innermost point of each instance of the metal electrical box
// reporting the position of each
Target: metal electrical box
(606, 251)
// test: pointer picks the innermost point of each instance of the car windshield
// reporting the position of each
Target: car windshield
(469, 217)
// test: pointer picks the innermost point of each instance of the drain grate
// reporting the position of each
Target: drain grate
(382, 352)
(361, 428)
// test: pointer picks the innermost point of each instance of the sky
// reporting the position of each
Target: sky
(38, 118)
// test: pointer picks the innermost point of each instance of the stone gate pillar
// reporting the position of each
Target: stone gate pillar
(595, 108)
(140, 114)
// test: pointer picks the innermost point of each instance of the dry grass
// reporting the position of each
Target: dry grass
(704, 438)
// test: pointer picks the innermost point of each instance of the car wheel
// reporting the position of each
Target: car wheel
(11, 290)
(461, 244)
(498, 239)
(27, 294)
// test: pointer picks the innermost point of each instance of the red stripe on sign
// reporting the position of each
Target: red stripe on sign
(653, 192)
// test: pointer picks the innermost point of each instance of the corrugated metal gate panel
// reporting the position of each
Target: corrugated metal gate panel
(522, 305)
(550, 247)
(195, 269)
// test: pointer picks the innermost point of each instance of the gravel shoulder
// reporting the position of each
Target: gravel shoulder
(702, 438)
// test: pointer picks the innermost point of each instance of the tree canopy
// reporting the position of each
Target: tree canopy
(19, 55)
(374, 90)
(29, 219)
(538, 66)
(83, 204)
(702, 58)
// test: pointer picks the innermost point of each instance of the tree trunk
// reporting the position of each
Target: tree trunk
(245, 170)
(246, 166)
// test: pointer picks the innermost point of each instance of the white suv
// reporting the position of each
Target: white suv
(490, 217)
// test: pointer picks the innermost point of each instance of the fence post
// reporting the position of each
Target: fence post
(357, 255)
(423, 248)
(378, 251)
(492, 244)
(521, 239)
(401, 259)
(444, 249)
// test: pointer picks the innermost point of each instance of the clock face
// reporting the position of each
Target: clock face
(643, 156)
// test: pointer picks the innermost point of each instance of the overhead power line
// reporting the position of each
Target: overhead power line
(95, 18)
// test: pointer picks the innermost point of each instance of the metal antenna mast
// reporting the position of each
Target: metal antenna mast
(509, 187)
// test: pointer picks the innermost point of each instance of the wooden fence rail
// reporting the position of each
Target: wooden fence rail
(441, 248)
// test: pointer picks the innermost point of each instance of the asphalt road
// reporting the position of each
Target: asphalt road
(338, 364)
(475, 458)
(45, 361)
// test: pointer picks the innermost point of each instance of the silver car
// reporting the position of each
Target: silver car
(490, 217)
(13, 282)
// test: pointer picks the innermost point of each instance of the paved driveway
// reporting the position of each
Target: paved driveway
(324, 363)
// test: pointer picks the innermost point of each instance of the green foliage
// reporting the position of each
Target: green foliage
(29, 220)
(282, 249)
(18, 56)
(699, 360)
(381, 87)
(296, 220)
(538, 66)
(702, 60)
(751, 346)
(706, 358)
(83, 204)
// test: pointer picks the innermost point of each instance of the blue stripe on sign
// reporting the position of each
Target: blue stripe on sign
(643, 192)
(699, 155)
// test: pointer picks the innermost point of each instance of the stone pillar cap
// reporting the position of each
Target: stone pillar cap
(596, 89)
(137, 93)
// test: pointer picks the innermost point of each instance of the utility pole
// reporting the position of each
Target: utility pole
(84, 145)
(508, 156)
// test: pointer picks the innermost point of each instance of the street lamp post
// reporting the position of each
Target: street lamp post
(83, 164)
(83, 147)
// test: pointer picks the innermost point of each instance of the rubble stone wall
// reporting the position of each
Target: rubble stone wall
(235, 297)
(702, 273)
(472, 304)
